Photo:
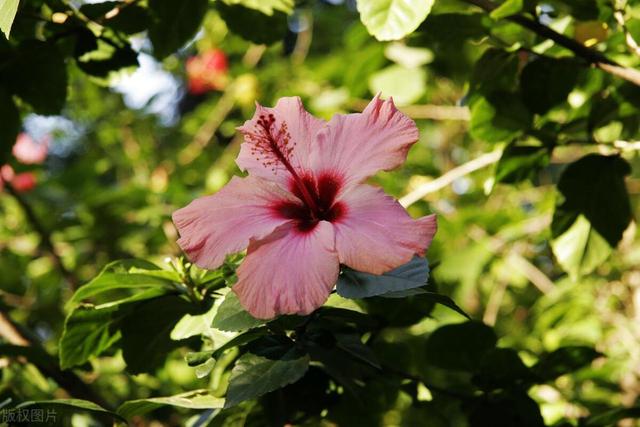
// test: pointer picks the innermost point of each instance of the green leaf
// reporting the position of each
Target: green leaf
(130, 19)
(507, 8)
(232, 316)
(145, 352)
(444, 300)
(38, 75)
(124, 275)
(546, 82)
(460, 346)
(268, 7)
(594, 186)
(10, 124)
(253, 376)
(563, 361)
(393, 19)
(500, 116)
(506, 409)
(611, 417)
(193, 325)
(174, 24)
(521, 162)
(110, 53)
(580, 249)
(356, 284)
(502, 368)
(252, 25)
(65, 407)
(196, 399)
(495, 70)
(437, 27)
(8, 10)
(405, 85)
(88, 332)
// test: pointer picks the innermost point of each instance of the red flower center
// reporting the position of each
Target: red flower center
(272, 146)
(323, 190)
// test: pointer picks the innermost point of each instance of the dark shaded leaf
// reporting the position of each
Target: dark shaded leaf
(356, 284)
(10, 124)
(546, 82)
(460, 346)
(563, 361)
(174, 24)
(253, 25)
(520, 163)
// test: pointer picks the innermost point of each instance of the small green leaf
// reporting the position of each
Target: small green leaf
(500, 116)
(87, 333)
(563, 361)
(460, 346)
(65, 407)
(594, 186)
(196, 399)
(268, 7)
(611, 417)
(232, 316)
(253, 25)
(521, 162)
(253, 376)
(405, 85)
(393, 19)
(8, 10)
(580, 249)
(174, 23)
(356, 284)
(507, 8)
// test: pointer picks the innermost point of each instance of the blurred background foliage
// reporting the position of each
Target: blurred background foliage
(528, 116)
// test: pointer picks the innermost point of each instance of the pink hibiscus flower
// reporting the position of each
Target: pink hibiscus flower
(304, 209)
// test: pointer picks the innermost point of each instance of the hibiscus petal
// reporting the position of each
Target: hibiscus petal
(212, 227)
(376, 234)
(302, 127)
(357, 146)
(289, 272)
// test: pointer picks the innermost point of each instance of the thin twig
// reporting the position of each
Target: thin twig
(45, 237)
(446, 179)
(593, 57)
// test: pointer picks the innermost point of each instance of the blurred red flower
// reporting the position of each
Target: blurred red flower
(207, 71)
(30, 152)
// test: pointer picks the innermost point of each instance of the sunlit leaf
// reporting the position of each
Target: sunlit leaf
(393, 19)
(196, 399)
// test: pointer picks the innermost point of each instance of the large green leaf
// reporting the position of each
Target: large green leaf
(393, 19)
(253, 375)
(546, 82)
(196, 399)
(145, 352)
(460, 346)
(8, 10)
(174, 23)
(594, 186)
(356, 284)
(38, 75)
(232, 316)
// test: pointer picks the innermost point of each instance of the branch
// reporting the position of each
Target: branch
(446, 179)
(45, 237)
(593, 57)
